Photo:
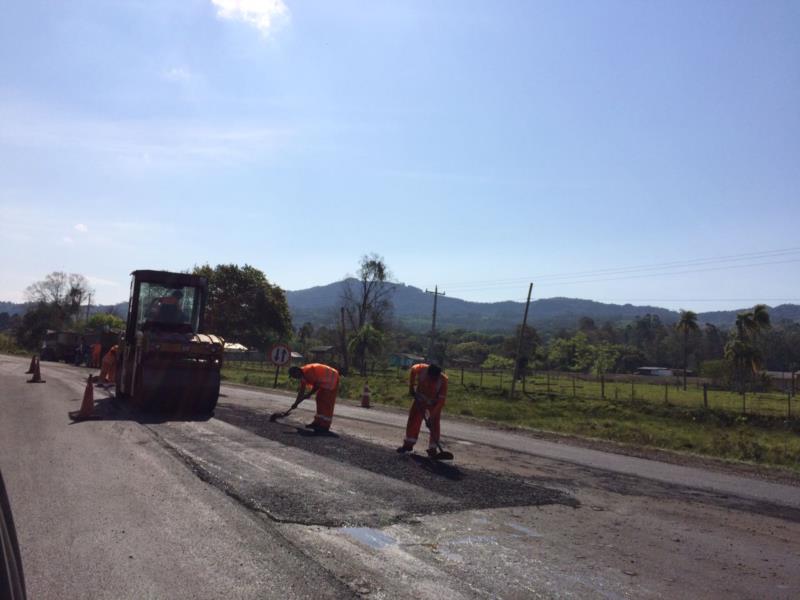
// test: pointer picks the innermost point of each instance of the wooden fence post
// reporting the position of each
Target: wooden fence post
(666, 393)
(705, 396)
(480, 385)
(603, 387)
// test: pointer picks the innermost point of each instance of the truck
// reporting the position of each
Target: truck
(59, 345)
(166, 361)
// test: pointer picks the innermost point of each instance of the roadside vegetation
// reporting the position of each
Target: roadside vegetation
(9, 346)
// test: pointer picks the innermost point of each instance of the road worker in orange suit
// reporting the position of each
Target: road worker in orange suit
(97, 349)
(108, 370)
(428, 386)
(324, 382)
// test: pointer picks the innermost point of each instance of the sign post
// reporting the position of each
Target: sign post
(280, 355)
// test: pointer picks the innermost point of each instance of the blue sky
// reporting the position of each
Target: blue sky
(476, 145)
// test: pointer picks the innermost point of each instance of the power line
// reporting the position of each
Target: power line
(625, 276)
(667, 266)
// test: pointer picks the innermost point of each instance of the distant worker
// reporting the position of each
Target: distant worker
(324, 382)
(428, 386)
(80, 351)
(97, 349)
(108, 371)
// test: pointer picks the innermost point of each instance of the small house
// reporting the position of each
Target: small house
(322, 354)
(403, 360)
(655, 371)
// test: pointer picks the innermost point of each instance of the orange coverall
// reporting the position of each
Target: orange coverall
(327, 381)
(96, 350)
(108, 371)
(431, 395)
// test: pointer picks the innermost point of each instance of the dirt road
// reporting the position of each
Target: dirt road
(235, 506)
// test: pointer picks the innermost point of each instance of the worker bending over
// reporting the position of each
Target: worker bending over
(324, 382)
(428, 386)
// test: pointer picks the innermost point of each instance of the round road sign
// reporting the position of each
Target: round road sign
(280, 355)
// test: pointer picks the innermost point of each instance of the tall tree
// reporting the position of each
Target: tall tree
(63, 292)
(367, 341)
(57, 302)
(243, 306)
(686, 324)
(751, 323)
(304, 335)
(742, 349)
(368, 301)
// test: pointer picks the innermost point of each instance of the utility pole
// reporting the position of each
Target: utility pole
(343, 338)
(436, 293)
(88, 304)
(519, 342)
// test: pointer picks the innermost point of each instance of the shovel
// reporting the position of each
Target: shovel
(279, 415)
(443, 454)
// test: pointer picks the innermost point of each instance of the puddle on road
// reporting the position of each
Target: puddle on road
(525, 530)
(371, 537)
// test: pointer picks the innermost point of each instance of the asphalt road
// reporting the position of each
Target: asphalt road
(238, 507)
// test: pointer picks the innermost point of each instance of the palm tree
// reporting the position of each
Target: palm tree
(687, 323)
(751, 323)
(741, 349)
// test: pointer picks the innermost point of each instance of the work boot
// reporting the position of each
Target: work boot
(317, 428)
(405, 448)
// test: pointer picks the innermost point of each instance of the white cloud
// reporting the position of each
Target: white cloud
(81, 228)
(265, 15)
(67, 240)
(177, 74)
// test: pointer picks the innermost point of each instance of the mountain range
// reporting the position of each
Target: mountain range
(412, 307)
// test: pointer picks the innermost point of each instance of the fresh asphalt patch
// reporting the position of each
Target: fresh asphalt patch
(296, 476)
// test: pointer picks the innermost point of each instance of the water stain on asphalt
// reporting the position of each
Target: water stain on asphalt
(371, 537)
(526, 530)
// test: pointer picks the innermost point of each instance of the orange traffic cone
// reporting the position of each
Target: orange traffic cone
(87, 406)
(33, 364)
(37, 375)
(365, 396)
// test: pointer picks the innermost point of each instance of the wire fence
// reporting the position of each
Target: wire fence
(543, 385)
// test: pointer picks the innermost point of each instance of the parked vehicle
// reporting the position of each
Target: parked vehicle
(165, 361)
